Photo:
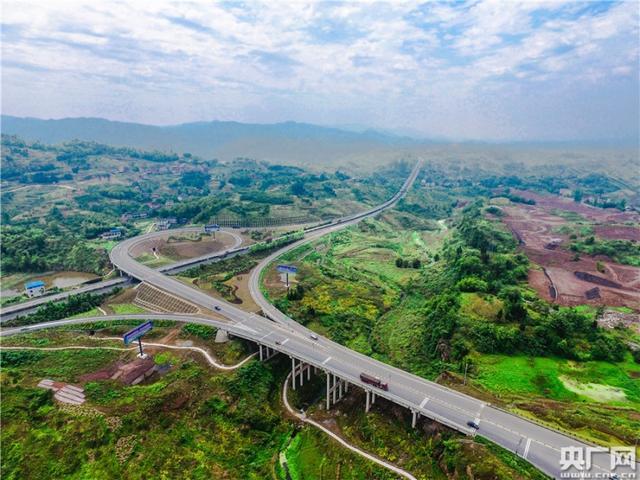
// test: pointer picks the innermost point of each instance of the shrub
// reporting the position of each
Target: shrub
(472, 284)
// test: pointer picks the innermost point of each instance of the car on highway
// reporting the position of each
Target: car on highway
(217, 307)
(313, 336)
(473, 424)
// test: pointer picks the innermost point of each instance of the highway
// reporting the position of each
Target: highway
(24, 308)
(537, 444)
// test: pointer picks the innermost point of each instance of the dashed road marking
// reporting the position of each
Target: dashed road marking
(526, 448)
(326, 360)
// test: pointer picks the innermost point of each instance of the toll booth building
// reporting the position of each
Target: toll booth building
(35, 288)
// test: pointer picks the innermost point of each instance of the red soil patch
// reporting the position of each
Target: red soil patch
(178, 249)
(190, 249)
(551, 202)
(535, 225)
(621, 232)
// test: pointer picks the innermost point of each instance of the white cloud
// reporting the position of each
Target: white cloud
(428, 66)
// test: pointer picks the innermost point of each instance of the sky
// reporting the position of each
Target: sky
(481, 70)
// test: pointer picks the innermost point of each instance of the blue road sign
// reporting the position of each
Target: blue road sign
(137, 332)
(287, 269)
(211, 228)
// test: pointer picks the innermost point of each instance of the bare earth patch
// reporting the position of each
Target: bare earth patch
(563, 278)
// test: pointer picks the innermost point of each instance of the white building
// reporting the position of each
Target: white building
(35, 288)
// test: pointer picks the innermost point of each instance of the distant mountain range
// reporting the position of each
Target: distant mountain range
(288, 142)
(312, 146)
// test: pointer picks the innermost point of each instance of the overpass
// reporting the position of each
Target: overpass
(308, 352)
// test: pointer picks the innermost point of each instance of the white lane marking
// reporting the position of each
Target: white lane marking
(526, 448)
(244, 327)
(326, 360)
(424, 402)
(479, 414)
(284, 341)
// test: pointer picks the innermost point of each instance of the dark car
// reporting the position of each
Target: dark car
(216, 307)
(473, 424)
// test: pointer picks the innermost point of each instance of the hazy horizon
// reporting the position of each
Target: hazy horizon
(474, 71)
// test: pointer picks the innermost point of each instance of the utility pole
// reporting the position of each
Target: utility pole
(466, 365)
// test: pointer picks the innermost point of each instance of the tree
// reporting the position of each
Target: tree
(514, 309)
(298, 188)
(441, 318)
(577, 195)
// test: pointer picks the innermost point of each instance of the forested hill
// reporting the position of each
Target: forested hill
(288, 141)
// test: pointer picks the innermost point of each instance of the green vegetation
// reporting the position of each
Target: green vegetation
(49, 227)
(430, 451)
(543, 376)
(234, 432)
(216, 275)
(200, 331)
(192, 422)
(126, 308)
(34, 248)
(468, 306)
(276, 242)
(621, 251)
(73, 305)
(309, 455)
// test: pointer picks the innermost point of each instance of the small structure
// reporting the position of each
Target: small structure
(64, 392)
(287, 270)
(34, 289)
(125, 217)
(112, 234)
(592, 294)
(136, 334)
(135, 372)
(553, 244)
(162, 225)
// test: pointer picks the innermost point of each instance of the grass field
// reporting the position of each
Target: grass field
(126, 309)
(559, 379)
(598, 401)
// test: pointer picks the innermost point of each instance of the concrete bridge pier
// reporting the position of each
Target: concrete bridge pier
(336, 387)
(414, 418)
(222, 336)
(298, 368)
(266, 352)
(328, 391)
(293, 373)
(371, 399)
